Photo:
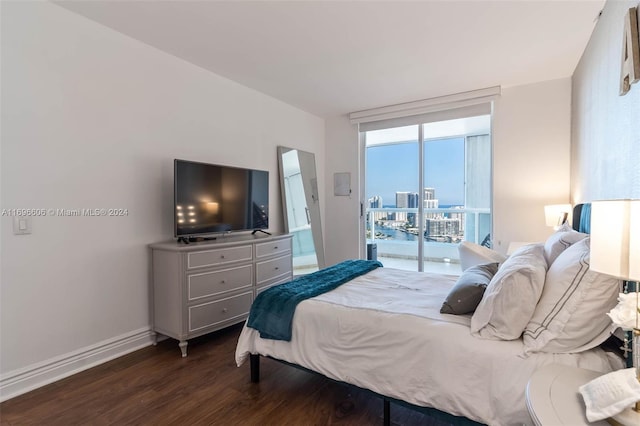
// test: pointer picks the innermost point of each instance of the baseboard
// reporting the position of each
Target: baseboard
(23, 380)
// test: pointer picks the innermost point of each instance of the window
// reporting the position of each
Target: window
(427, 188)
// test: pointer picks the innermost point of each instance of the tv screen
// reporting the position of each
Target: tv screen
(210, 198)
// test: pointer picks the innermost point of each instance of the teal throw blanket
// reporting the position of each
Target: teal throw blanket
(272, 311)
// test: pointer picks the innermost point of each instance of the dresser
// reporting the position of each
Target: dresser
(201, 287)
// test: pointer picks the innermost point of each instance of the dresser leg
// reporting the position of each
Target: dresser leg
(183, 347)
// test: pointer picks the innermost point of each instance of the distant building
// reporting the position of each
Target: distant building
(429, 193)
(402, 200)
(430, 202)
(406, 200)
(442, 229)
(375, 202)
(458, 216)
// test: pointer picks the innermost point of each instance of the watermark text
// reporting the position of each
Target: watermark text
(62, 212)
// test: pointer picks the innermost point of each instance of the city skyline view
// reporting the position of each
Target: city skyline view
(393, 168)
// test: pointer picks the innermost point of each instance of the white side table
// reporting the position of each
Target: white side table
(553, 398)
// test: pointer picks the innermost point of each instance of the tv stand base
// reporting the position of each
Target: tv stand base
(188, 240)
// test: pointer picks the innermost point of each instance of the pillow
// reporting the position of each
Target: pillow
(472, 254)
(510, 298)
(465, 295)
(572, 313)
(560, 241)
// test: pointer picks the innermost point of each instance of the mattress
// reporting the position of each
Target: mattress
(383, 331)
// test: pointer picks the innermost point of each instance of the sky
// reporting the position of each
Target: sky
(394, 168)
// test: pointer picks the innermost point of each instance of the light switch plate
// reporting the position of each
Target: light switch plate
(21, 225)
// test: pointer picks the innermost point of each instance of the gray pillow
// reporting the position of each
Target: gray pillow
(466, 294)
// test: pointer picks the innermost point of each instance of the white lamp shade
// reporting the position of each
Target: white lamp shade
(555, 213)
(615, 238)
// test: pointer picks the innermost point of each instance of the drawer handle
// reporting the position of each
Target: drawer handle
(275, 248)
(224, 310)
(222, 256)
(223, 282)
(277, 268)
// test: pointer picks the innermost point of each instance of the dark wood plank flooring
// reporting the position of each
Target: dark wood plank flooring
(156, 386)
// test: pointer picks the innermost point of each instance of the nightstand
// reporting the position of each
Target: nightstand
(553, 398)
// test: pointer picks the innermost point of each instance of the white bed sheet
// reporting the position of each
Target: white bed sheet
(383, 331)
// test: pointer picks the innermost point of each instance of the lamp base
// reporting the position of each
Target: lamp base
(629, 417)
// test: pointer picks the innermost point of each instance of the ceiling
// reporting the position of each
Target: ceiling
(334, 57)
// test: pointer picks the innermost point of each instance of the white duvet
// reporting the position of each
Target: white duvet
(383, 331)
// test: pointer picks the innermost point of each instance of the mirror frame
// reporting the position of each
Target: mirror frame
(315, 216)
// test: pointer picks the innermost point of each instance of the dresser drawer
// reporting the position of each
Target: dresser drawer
(273, 270)
(280, 281)
(221, 256)
(220, 311)
(216, 282)
(273, 248)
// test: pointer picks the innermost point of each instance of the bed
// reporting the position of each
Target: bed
(383, 331)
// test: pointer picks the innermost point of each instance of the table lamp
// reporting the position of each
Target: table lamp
(615, 251)
(556, 214)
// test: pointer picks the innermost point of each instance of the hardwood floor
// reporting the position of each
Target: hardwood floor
(156, 386)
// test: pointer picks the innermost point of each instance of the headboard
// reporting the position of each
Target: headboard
(582, 218)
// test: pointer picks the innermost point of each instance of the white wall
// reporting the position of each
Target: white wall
(93, 119)
(341, 226)
(605, 154)
(531, 149)
(531, 145)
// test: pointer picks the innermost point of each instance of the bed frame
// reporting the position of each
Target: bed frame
(581, 222)
(254, 362)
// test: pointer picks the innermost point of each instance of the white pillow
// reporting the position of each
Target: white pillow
(510, 298)
(571, 314)
(560, 241)
(472, 254)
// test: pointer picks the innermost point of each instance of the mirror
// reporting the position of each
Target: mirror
(301, 208)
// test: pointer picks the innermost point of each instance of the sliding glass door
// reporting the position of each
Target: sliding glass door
(392, 185)
(427, 189)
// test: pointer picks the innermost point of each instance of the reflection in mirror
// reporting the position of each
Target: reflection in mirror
(301, 208)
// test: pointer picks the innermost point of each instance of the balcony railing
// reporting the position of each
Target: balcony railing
(396, 232)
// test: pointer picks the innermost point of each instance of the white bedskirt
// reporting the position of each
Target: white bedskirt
(383, 332)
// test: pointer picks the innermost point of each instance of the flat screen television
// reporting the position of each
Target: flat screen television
(211, 199)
